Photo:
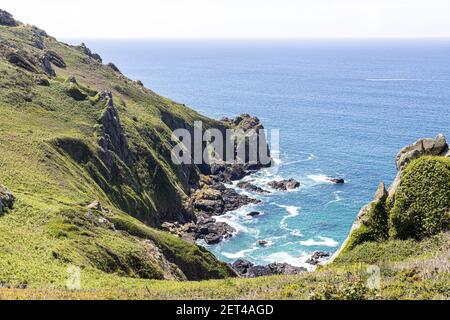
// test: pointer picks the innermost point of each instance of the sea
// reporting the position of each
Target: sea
(343, 108)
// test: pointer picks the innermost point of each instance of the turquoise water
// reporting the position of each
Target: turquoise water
(343, 108)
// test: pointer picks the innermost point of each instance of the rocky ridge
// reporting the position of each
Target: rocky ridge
(247, 269)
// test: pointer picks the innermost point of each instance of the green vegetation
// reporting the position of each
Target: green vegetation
(375, 228)
(52, 161)
(421, 206)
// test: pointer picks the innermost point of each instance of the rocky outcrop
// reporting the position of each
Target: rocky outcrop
(7, 199)
(253, 131)
(33, 62)
(253, 214)
(263, 243)
(112, 137)
(216, 199)
(215, 232)
(244, 121)
(41, 81)
(422, 147)
(208, 229)
(233, 200)
(284, 185)
(47, 66)
(433, 147)
(114, 67)
(209, 200)
(22, 60)
(246, 185)
(37, 38)
(89, 53)
(6, 19)
(247, 269)
(336, 180)
(55, 58)
(228, 173)
(317, 257)
(97, 206)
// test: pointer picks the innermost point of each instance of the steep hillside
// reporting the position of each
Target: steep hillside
(86, 179)
(74, 131)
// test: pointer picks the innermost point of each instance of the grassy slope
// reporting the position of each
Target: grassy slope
(409, 270)
(47, 231)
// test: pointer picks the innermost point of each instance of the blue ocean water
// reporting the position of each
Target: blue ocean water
(344, 108)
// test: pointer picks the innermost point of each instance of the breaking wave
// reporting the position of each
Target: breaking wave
(324, 241)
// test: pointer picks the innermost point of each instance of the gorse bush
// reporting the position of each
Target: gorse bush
(422, 202)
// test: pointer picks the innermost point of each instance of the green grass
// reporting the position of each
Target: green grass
(409, 269)
(51, 161)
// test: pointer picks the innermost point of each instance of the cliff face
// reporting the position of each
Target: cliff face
(416, 205)
(74, 130)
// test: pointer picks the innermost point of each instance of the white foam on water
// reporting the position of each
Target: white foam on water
(296, 233)
(309, 158)
(320, 178)
(324, 241)
(236, 223)
(337, 197)
(293, 211)
(284, 257)
(239, 254)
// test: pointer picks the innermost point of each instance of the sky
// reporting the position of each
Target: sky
(235, 18)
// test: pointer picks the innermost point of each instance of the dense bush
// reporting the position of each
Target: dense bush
(422, 202)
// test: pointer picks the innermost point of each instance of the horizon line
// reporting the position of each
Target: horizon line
(262, 38)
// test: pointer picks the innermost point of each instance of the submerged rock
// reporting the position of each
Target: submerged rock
(253, 214)
(263, 243)
(336, 180)
(251, 187)
(284, 184)
(7, 199)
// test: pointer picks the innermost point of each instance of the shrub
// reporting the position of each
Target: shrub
(422, 202)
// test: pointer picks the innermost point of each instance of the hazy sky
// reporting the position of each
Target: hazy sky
(235, 18)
